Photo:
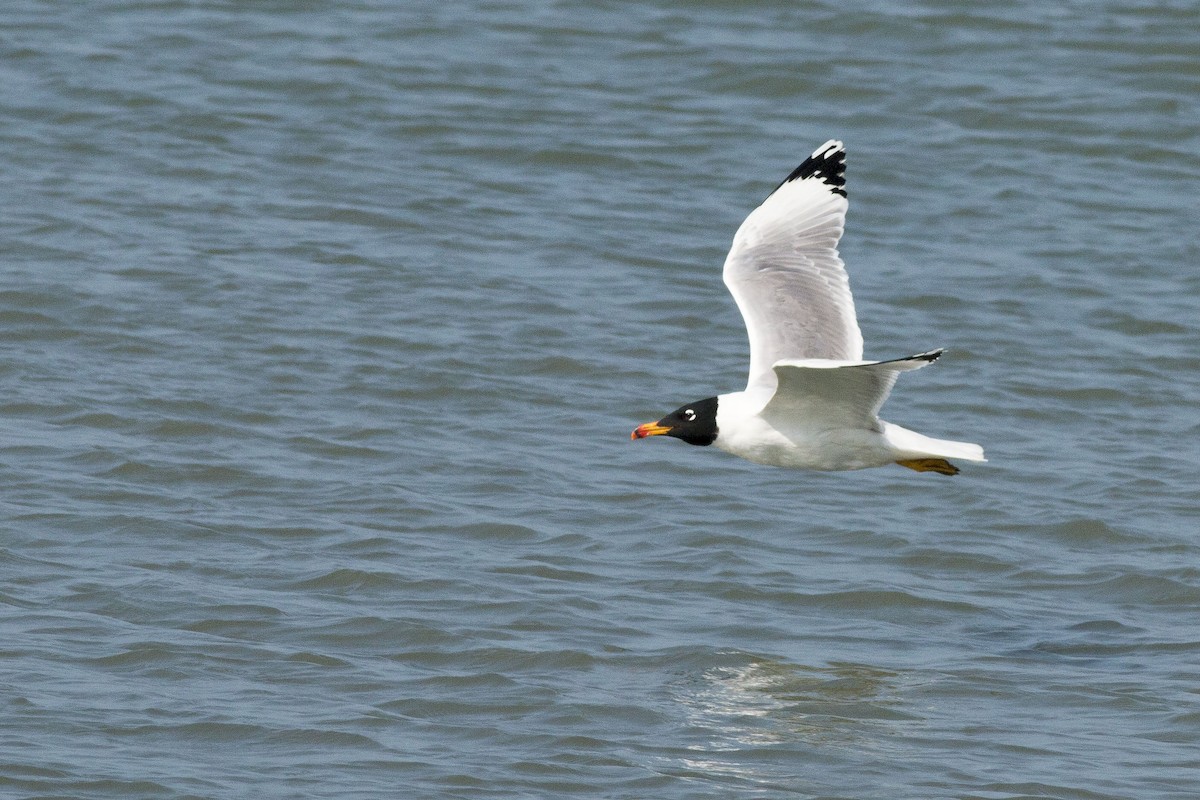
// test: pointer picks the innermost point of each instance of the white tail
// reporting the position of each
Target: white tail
(913, 445)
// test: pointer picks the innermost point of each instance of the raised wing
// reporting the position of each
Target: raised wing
(820, 395)
(785, 273)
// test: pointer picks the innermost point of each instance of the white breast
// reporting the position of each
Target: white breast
(743, 433)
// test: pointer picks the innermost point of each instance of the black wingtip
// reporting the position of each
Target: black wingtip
(932, 355)
(827, 164)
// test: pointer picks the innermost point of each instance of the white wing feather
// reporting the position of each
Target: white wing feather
(817, 394)
(785, 274)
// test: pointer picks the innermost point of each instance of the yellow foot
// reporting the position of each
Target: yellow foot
(938, 465)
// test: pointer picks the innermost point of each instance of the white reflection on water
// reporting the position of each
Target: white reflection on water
(763, 709)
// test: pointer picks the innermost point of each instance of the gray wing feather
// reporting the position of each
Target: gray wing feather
(830, 395)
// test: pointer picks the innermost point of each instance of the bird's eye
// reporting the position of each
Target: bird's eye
(689, 415)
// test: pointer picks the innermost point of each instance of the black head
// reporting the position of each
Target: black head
(695, 423)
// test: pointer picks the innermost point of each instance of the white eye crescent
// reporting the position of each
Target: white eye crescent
(689, 415)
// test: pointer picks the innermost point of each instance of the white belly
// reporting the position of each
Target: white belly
(754, 440)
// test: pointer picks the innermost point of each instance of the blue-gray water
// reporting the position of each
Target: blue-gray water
(325, 327)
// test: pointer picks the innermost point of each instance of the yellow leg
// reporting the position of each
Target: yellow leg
(938, 465)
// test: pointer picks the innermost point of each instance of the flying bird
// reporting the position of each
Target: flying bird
(810, 401)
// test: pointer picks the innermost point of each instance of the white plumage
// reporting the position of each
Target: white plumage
(810, 400)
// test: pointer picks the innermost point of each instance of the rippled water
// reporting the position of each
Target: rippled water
(326, 327)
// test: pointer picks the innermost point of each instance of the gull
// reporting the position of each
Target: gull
(811, 401)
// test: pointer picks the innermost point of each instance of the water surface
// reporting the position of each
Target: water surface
(326, 329)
